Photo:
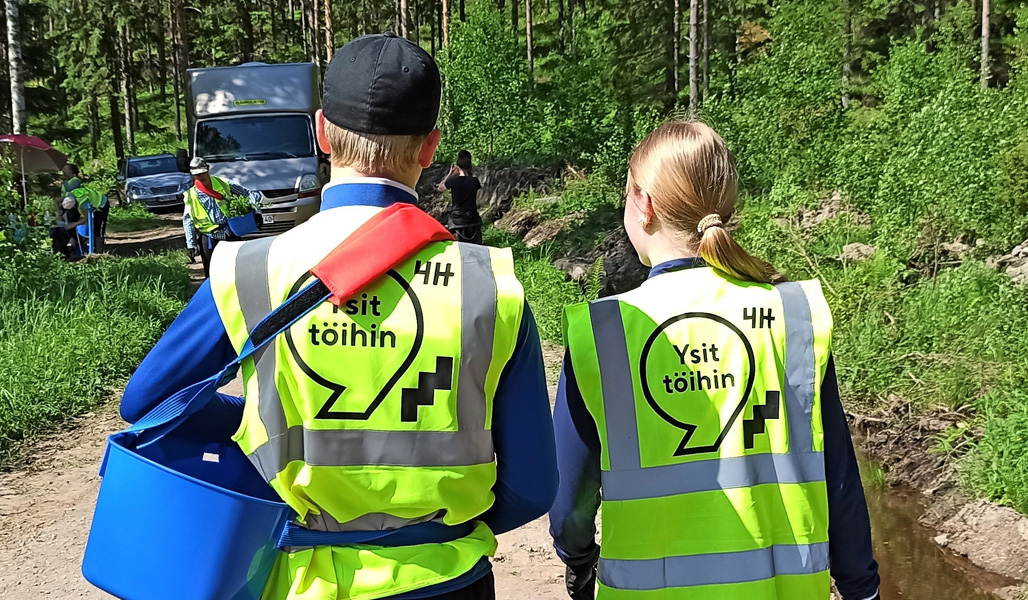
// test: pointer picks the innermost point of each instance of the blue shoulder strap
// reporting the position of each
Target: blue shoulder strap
(174, 410)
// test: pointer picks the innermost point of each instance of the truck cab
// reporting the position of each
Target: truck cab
(254, 125)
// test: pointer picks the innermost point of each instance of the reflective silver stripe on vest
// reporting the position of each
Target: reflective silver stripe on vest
(616, 383)
(799, 365)
(470, 445)
(712, 569)
(628, 480)
(478, 330)
(713, 474)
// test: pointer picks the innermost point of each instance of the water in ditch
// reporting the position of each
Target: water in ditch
(912, 565)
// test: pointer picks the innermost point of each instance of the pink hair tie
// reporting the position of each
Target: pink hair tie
(712, 220)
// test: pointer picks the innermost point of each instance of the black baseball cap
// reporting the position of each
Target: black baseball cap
(382, 85)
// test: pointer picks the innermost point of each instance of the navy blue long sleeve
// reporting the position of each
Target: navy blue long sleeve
(849, 526)
(578, 457)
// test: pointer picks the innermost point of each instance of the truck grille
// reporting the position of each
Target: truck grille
(164, 189)
(270, 194)
(275, 228)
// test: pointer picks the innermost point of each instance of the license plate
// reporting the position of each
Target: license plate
(269, 219)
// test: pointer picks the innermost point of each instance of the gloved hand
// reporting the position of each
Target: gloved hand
(581, 582)
(192, 254)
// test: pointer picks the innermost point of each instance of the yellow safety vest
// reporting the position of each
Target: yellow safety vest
(706, 397)
(201, 219)
(86, 197)
(376, 414)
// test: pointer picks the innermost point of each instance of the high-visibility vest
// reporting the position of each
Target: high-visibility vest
(376, 414)
(706, 396)
(202, 221)
(87, 196)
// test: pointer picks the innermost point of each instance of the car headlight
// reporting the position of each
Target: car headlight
(309, 182)
(135, 191)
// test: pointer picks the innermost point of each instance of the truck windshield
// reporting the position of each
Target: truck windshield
(151, 165)
(256, 137)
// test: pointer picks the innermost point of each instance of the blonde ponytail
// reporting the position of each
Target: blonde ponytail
(689, 173)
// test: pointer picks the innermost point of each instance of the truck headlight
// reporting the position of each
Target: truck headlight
(309, 182)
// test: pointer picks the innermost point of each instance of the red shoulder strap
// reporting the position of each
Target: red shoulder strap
(386, 240)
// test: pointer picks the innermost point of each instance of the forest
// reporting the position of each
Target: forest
(882, 147)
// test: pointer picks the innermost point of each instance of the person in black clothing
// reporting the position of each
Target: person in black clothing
(464, 223)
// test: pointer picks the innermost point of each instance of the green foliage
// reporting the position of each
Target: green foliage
(68, 332)
(998, 467)
(238, 206)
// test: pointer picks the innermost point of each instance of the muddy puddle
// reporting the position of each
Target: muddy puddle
(912, 565)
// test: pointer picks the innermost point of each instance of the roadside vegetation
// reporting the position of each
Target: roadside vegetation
(72, 332)
(924, 169)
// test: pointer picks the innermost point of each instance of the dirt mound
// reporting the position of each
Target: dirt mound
(993, 537)
(547, 230)
(857, 252)
(829, 208)
(519, 221)
(1015, 264)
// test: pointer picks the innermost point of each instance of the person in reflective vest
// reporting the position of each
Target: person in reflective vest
(204, 216)
(702, 408)
(72, 177)
(86, 198)
(416, 413)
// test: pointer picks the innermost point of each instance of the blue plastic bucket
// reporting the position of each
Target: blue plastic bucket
(243, 225)
(182, 520)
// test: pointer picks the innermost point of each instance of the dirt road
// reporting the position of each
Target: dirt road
(46, 503)
(46, 506)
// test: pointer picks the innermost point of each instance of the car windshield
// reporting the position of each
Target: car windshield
(258, 137)
(151, 165)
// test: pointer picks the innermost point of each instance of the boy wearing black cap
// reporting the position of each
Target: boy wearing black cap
(411, 424)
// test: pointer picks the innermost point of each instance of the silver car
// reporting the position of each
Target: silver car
(154, 181)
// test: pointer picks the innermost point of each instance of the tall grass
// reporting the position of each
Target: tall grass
(71, 332)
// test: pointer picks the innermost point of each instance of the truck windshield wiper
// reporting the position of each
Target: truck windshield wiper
(268, 155)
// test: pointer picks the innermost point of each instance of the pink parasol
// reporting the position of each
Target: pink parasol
(33, 155)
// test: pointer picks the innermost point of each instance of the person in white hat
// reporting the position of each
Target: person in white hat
(204, 215)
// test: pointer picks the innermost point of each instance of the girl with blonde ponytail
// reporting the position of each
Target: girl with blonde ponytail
(682, 190)
(699, 413)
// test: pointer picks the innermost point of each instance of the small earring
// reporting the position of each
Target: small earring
(642, 221)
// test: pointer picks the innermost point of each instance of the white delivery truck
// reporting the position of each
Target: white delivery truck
(254, 124)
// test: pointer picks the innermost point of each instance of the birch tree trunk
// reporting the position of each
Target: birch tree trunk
(15, 66)
(403, 17)
(676, 50)
(986, 64)
(315, 20)
(446, 23)
(528, 40)
(706, 49)
(694, 75)
(330, 34)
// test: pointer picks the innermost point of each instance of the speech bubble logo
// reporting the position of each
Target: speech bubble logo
(338, 389)
(668, 405)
